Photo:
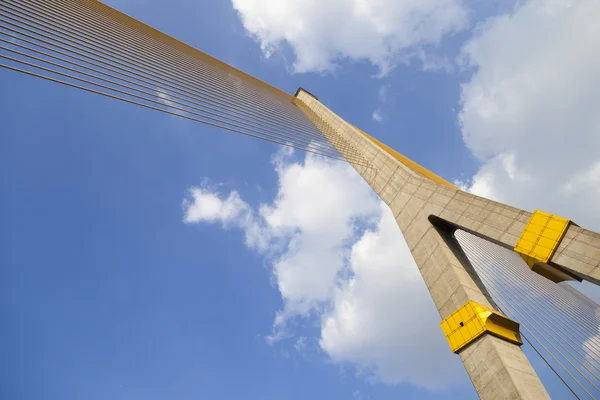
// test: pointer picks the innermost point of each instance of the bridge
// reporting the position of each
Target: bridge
(496, 273)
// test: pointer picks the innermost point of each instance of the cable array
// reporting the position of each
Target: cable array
(87, 45)
(561, 324)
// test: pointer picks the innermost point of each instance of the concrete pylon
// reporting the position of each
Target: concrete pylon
(428, 210)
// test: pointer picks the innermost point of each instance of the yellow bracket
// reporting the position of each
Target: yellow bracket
(539, 242)
(541, 237)
(473, 320)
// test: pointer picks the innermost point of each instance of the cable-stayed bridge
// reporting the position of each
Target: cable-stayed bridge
(497, 274)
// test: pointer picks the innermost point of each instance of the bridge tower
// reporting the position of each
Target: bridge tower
(428, 210)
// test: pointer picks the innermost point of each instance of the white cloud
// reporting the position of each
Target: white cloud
(207, 206)
(361, 286)
(300, 344)
(323, 32)
(377, 116)
(584, 182)
(303, 236)
(529, 111)
(383, 319)
(315, 206)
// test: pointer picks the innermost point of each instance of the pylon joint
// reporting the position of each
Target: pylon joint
(474, 320)
(539, 241)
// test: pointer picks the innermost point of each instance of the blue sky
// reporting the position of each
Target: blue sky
(110, 287)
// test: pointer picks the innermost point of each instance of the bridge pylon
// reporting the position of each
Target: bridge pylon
(428, 210)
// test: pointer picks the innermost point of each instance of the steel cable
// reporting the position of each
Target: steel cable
(541, 307)
(206, 114)
(93, 47)
(521, 307)
(135, 75)
(175, 65)
(127, 57)
(501, 297)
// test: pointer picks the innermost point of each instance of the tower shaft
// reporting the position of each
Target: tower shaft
(428, 210)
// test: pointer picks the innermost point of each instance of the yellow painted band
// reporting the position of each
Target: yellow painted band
(474, 320)
(541, 237)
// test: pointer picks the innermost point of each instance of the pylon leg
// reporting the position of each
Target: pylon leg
(498, 368)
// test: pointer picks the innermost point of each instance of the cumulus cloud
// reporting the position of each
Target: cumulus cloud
(303, 237)
(369, 323)
(205, 205)
(339, 260)
(529, 111)
(379, 31)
